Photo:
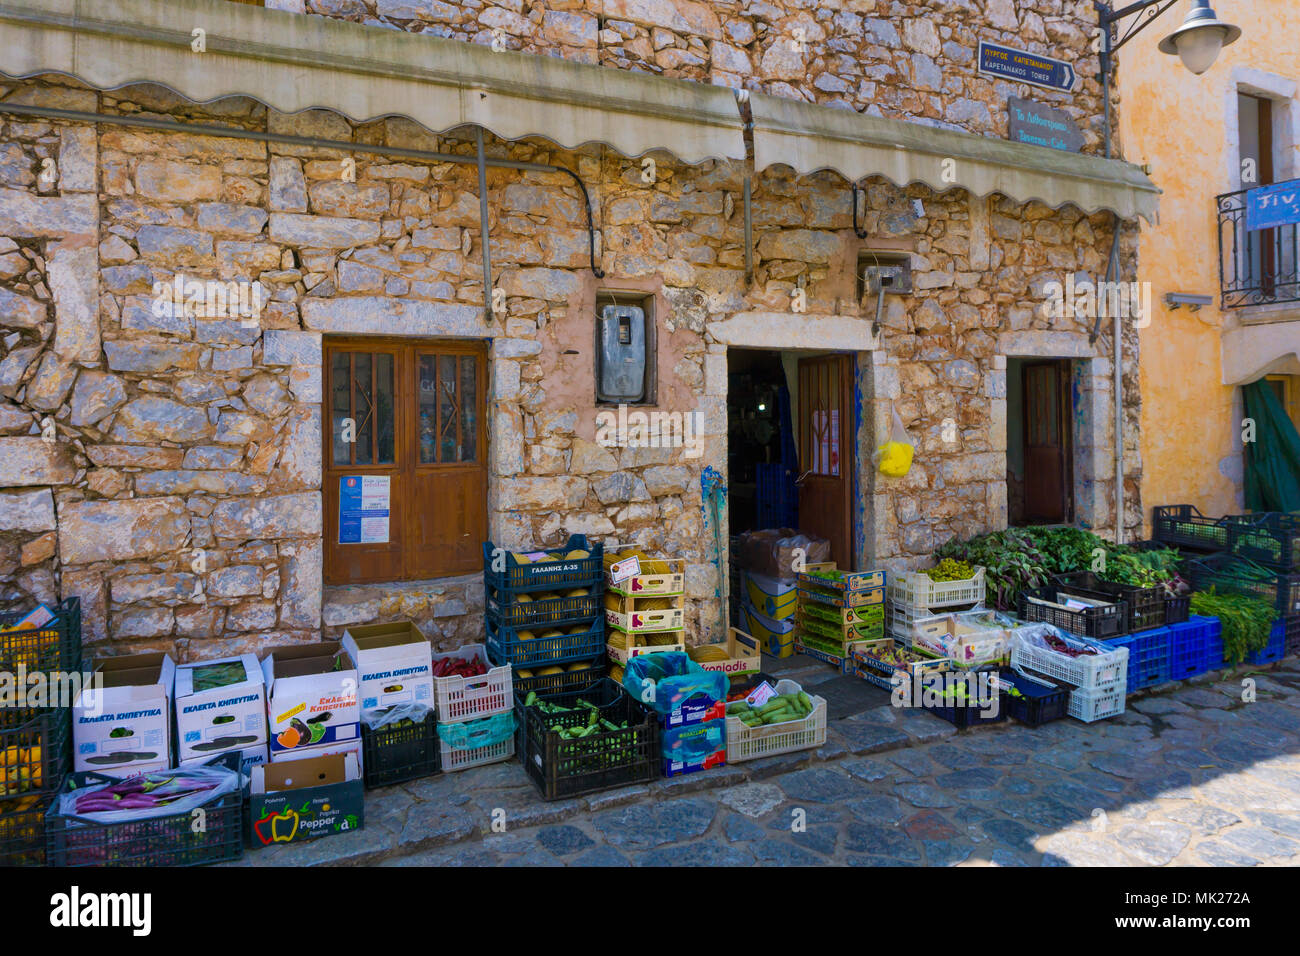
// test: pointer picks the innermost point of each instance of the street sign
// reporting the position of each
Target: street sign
(1271, 206)
(1021, 66)
(1041, 125)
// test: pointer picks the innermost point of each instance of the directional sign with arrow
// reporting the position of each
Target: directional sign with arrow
(1021, 66)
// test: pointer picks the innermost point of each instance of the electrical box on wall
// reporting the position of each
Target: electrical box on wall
(890, 271)
(621, 354)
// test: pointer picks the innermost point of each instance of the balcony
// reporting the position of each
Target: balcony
(1256, 267)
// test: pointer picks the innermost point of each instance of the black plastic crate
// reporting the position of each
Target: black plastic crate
(509, 611)
(35, 757)
(1270, 538)
(1108, 620)
(1230, 574)
(161, 841)
(1041, 701)
(22, 831)
(600, 761)
(501, 573)
(547, 685)
(1177, 609)
(1291, 635)
(1184, 526)
(1147, 607)
(50, 649)
(963, 716)
(407, 750)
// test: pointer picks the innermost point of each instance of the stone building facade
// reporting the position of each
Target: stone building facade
(167, 468)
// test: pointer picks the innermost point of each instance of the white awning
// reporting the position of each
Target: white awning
(810, 138)
(292, 62)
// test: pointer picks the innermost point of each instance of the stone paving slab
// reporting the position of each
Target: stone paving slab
(1189, 776)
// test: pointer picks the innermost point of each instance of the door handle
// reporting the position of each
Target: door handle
(799, 480)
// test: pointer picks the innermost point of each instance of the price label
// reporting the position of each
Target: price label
(761, 694)
(622, 570)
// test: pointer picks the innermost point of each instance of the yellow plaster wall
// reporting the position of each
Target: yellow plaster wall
(1176, 121)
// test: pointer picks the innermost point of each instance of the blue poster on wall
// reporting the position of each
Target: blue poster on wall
(1271, 206)
(363, 509)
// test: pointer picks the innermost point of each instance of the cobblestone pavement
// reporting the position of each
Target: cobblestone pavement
(1190, 775)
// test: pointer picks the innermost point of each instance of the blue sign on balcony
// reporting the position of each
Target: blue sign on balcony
(1271, 206)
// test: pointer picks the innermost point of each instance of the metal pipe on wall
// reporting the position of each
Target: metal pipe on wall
(483, 221)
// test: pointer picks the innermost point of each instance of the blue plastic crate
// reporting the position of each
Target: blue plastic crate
(1276, 647)
(556, 573)
(1213, 642)
(1148, 657)
(504, 646)
(1189, 653)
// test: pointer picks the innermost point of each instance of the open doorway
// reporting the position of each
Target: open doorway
(790, 444)
(1040, 442)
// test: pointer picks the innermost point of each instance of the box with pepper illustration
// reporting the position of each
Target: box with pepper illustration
(220, 707)
(121, 725)
(311, 697)
(305, 800)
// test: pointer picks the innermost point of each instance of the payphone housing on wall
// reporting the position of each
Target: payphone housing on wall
(621, 354)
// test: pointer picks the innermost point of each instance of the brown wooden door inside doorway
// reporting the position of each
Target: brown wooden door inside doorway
(417, 421)
(826, 433)
(1048, 438)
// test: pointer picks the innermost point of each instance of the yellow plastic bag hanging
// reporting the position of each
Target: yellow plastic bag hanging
(894, 457)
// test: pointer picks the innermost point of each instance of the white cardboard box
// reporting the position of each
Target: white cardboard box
(394, 664)
(311, 697)
(231, 717)
(124, 727)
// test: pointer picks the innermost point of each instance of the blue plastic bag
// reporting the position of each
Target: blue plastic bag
(668, 681)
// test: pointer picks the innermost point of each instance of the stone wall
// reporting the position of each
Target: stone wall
(166, 468)
(905, 60)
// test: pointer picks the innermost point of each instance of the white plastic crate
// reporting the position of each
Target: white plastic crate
(1097, 704)
(916, 589)
(750, 743)
(1101, 670)
(473, 743)
(458, 699)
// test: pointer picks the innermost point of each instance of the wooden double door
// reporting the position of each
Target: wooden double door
(405, 433)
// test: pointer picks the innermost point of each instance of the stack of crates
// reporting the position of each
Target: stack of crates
(645, 613)
(915, 596)
(836, 608)
(35, 741)
(544, 618)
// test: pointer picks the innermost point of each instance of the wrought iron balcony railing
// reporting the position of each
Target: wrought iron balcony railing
(1256, 267)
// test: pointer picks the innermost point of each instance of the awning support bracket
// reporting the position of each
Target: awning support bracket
(857, 230)
(749, 233)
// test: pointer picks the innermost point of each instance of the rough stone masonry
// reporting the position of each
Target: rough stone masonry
(166, 469)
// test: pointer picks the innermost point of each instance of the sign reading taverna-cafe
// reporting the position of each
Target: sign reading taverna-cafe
(1040, 125)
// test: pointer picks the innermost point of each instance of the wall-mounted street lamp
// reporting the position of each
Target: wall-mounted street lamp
(1197, 42)
(1176, 300)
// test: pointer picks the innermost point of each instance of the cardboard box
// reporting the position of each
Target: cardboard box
(305, 800)
(343, 748)
(311, 697)
(394, 664)
(739, 654)
(769, 596)
(220, 706)
(249, 757)
(125, 727)
(695, 747)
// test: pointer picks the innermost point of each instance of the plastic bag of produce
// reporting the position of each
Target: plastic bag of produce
(666, 681)
(894, 457)
(374, 719)
(161, 793)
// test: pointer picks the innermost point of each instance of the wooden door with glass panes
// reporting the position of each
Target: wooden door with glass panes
(415, 415)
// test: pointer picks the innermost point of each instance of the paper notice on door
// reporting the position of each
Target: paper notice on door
(363, 509)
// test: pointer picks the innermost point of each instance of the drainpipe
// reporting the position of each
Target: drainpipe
(483, 222)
